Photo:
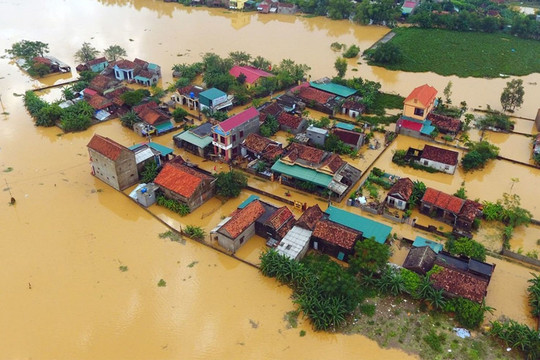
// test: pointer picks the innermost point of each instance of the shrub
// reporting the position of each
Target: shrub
(173, 205)
(194, 232)
(467, 247)
(468, 313)
(411, 281)
(351, 52)
(230, 184)
(435, 341)
(367, 309)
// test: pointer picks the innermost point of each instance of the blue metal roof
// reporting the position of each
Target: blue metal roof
(248, 201)
(420, 241)
(212, 93)
(368, 227)
(344, 126)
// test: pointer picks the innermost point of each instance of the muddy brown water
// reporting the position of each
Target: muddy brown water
(62, 244)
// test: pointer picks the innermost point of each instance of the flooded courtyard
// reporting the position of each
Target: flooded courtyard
(82, 262)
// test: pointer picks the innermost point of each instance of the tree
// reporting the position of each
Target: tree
(339, 9)
(270, 126)
(114, 52)
(179, 114)
(448, 93)
(512, 95)
(369, 257)
(129, 119)
(419, 189)
(132, 98)
(240, 58)
(351, 52)
(467, 247)
(28, 49)
(229, 184)
(86, 53)
(387, 53)
(341, 66)
(479, 154)
(149, 172)
(261, 63)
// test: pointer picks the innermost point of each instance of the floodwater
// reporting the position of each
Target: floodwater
(63, 243)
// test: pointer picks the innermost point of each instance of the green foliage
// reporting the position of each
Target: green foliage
(216, 71)
(27, 49)
(399, 159)
(512, 95)
(123, 268)
(341, 66)
(507, 210)
(77, 117)
(387, 53)
(240, 58)
(149, 172)
(269, 127)
(518, 336)
(173, 205)
(135, 97)
(479, 154)
(468, 313)
(367, 309)
(351, 52)
(379, 12)
(114, 52)
(188, 71)
(411, 281)
(419, 189)
(391, 282)
(162, 283)
(195, 232)
(49, 115)
(334, 144)
(129, 119)
(179, 114)
(337, 46)
(467, 247)
(369, 257)
(86, 53)
(289, 73)
(33, 103)
(461, 193)
(230, 184)
(36, 69)
(435, 341)
(534, 294)
(495, 119)
(367, 89)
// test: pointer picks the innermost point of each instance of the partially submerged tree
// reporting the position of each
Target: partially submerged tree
(369, 257)
(229, 184)
(448, 93)
(479, 154)
(27, 49)
(512, 95)
(114, 52)
(387, 53)
(86, 53)
(341, 66)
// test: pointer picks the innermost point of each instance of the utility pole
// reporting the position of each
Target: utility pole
(12, 201)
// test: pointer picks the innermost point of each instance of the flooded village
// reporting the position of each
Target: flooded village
(101, 264)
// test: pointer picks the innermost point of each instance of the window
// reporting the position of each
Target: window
(418, 112)
(222, 140)
(241, 134)
(340, 256)
(242, 240)
(447, 167)
(426, 162)
(234, 138)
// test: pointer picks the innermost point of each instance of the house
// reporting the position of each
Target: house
(316, 135)
(420, 259)
(151, 152)
(286, 8)
(399, 194)
(124, 70)
(251, 74)
(314, 98)
(185, 184)
(229, 134)
(240, 227)
(256, 146)
(536, 145)
(369, 228)
(115, 95)
(420, 242)
(197, 141)
(421, 129)
(102, 83)
(457, 212)
(269, 109)
(352, 139)
(295, 244)
(188, 95)
(440, 159)
(139, 71)
(112, 163)
(214, 99)
(315, 170)
(445, 124)
(334, 239)
(341, 91)
(97, 65)
(98, 102)
(420, 102)
(275, 222)
(237, 4)
(290, 104)
(353, 107)
(408, 7)
(310, 217)
(292, 123)
(153, 116)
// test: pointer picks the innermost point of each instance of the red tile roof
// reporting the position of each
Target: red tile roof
(460, 283)
(443, 201)
(126, 64)
(445, 123)
(106, 147)
(252, 73)
(441, 155)
(354, 105)
(312, 94)
(256, 143)
(89, 92)
(101, 82)
(403, 187)
(99, 102)
(180, 179)
(149, 105)
(187, 90)
(334, 162)
(470, 210)
(424, 94)
(140, 62)
(408, 124)
(304, 152)
(310, 217)
(96, 61)
(243, 218)
(347, 136)
(280, 217)
(42, 60)
(336, 234)
(292, 121)
(272, 109)
(239, 119)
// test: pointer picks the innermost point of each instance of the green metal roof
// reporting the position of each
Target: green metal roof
(367, 226)
(420, 241)
(344, 126)
(153, 66)
(406, 10)
(248, 201)
(212, 93)
(164, 150)
(191, 138)
(332, 88)
(302, 173)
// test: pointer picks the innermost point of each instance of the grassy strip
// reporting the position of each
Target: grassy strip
(465, 54)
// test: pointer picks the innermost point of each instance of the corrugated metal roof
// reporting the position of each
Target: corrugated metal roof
(367, 226)
(302, 173)
(317, 130)
(332, 88)
(143, 155)
(191, 138)
(294, 242)
(212, 93)
(344, 126)
(420, 241)
(248, 201)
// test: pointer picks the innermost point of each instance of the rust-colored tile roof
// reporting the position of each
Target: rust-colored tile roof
(148, 105)
(272, 109)
(443, 201)
(347, 136)
(100, 83)
(336, 234)
(96, 61)
(187, 90)
(445, 123)
(140, 62)
(470, 210)
(106, 147)
(310, 217)
(244, 218)
(286, 228)
(280, 217)
(441, 155)
(271, 151)
(180, 179)
(98, 102)
(403, 187)
(126, 64)
(334, 162)
(460, 283)
(312, 94)
(304, 152)
(424, 94)
(256, 143)
(145, 73)
(292, 121)
(354, 105)
(42, 60)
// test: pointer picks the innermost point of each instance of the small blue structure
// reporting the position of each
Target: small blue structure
(435, 246)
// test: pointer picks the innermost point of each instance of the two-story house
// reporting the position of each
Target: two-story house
(420, 102)
(229, 134)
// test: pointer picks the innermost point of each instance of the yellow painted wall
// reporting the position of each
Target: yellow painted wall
(408, 110)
